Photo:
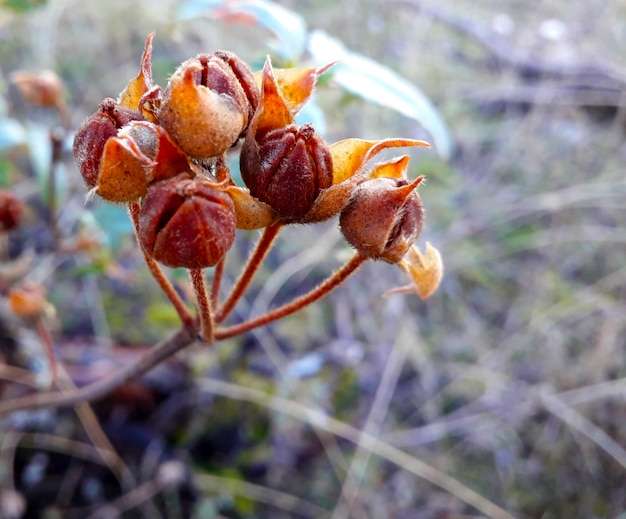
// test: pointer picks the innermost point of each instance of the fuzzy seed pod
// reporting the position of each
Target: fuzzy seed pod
(283, 165)
(383, 218)
(186, 222)
(91, 137)
(287, 168)
(11, 211)
(208, 103)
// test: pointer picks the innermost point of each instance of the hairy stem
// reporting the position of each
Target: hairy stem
(317, 293)
(204, 305)
(254, 262)
(216, 284)
(157, 273)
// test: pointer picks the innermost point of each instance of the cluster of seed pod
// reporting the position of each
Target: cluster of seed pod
(165, 149)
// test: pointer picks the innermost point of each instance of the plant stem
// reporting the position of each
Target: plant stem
(317, 293)
(162, 351)
(254, 262)
(216, 284)
(48, 348)
(205, 312)
(158, 275)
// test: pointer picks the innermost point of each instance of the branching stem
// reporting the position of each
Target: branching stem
(254, 262)
(317, 293)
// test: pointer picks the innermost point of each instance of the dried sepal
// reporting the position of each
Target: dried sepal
(425, 271)
(91, 137)
(351, 155)
(154, 142)
(349, 160)
(124, 171)
(136, 88)
(251, 213)
(296, 85)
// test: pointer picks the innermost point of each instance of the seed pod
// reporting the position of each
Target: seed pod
(283, 165)
(383, 218)
(208, 103)
(186, 222)
(92, 136)
(287, 169)
(11, 211)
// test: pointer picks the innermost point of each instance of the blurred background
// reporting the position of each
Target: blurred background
(503, 395)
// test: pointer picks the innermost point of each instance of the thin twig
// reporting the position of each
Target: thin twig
(157, 354)
(318, 292)
(254, 262)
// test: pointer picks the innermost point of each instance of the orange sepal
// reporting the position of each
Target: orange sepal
(136, 88)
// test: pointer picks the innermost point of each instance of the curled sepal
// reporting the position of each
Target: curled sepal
(349, 158)
(153, 141)
(251, 213)
(186, 222)
(384, 217)
(351, 155)
(425, 271)
(273, 111)
(136, 88)
(124, 171)
(295, 85)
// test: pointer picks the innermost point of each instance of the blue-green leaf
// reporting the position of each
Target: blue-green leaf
(374, 82)
(11, 134)
(288, 27)
(114, 221)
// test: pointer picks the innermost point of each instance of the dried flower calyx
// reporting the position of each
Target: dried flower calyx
(384, 215)
(283, 165)
(208, 104)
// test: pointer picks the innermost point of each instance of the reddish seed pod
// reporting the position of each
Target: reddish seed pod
(92, 136)
(11, 210)
(383, 218)
(208, 104)
(186, 222)
(287, 168)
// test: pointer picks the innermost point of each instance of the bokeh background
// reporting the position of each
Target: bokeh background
(508, 382)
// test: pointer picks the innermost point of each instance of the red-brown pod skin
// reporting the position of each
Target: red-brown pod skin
(93, 134)
(287, 168)
(186, 222)
(11, 211)
(381, 220)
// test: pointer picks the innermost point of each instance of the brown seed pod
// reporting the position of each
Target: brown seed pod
(186, 222)
(287, 169)
(11, 210)
(383, 218)
(208, 103)
(283, 165)
(93, 134)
